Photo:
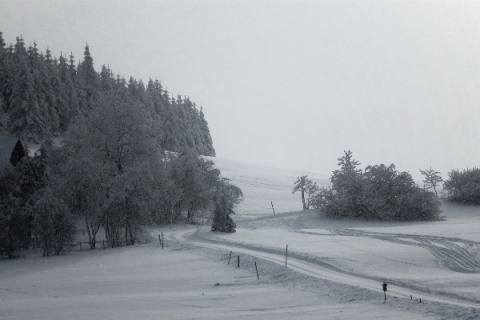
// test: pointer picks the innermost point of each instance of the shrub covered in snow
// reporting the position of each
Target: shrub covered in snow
(226, 197)
(378, 192)
(463, 186)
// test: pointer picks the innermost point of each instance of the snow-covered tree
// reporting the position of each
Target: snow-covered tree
(432, 179)
(380, 192)
(4, 75)
(196, 178)
(24, 112)
(15, 222)
(305, 186)
(68, 94)
(4, 119)
(463, 186)
(206, 135)
(54, 226)
(19, 186)
(110, 158)
(311, 190)
(227, 196)
(87, 83)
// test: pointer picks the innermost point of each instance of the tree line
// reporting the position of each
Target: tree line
(107, 185)
(381, 192)
(40, 95)
(111, 170)
(378, 192)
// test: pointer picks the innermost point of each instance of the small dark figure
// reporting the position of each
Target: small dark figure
(420, 300)
(411, 298)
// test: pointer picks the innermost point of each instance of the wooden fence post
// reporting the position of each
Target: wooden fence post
(230, 258)
(384, 287)
(258, 277)
(286, 254)
(238, 261)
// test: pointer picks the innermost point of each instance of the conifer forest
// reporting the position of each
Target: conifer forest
(42, 94)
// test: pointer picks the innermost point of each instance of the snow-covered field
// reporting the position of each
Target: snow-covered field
(335, 267)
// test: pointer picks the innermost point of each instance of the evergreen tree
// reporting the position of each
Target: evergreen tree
(107, 81)
(348, 183)
(72, 69)
(88, 83)
(226, 197)
(56, 96)
(43, 72)
(171, 140)
(206, 135)
(9, 77)
(4, 119)
(3, 75)
(14, 220)
(24, 112)
(68, 94)
(18, 188)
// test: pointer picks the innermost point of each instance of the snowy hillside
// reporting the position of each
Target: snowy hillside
(335, 267)
(262, 185)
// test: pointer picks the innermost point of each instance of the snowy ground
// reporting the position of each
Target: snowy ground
(263, 185)
(335, 267)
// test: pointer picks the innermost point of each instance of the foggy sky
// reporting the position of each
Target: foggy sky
(292, 84)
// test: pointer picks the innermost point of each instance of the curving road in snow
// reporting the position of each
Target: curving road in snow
(318, 270)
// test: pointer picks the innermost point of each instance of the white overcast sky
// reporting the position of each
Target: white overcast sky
(292, 84)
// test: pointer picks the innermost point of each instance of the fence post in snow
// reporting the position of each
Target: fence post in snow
(238, 261)
(273, 209)
(384, 286)
(162, 239)
(230, 258)
(286, 254)
(258, 277)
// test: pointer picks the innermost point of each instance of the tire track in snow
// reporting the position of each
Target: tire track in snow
(322, 270)
(447, 251)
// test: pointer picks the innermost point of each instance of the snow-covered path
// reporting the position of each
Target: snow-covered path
(179, 282)
(317, 270)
